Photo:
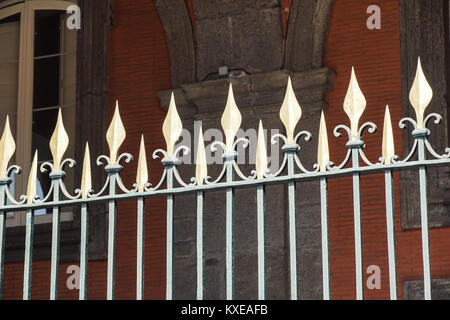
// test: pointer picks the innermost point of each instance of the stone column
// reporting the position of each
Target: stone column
(258, 96)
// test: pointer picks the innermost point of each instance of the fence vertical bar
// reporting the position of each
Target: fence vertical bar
(290, 151)
(28, 260)
(29, 229)
(390, 226)
(112, 170)
(2, 249)
(84, 251)
(140, 248)
(229, 158)
(355, 146)
(421, 135)
(56, 217)
(200, 198)
(261, 247)
(86, 188)
(324, 230)
(3, 185)
(169, 163)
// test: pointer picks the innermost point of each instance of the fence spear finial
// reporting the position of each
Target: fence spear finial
(86, 180)
(7, 148)
(231, 120)
(388, 149)
(354, 104)
(420, 94)
(261, 153)
(115, 135)
(32, 180)
(58, 142)
(172, 127)
(201, 170)
(323, 153)
(142, 171)
(290, 112)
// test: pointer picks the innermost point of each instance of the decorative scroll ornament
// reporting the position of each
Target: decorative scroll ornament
(7, 148)
(142, 171)
(420, 95)
(354, 104)
(32, 180)
(261, 153)
(231, 120)
(172, 127)
(115, 135)
(290, 112)
(86, 180)
(58, 142)
(388, 149)
(323, 153)
(201, 171)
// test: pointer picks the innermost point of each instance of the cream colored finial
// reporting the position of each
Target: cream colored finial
(388, 149)
(261, 153)
(201, 170)
(290, 112)
(7, 148)
(115, 135)
(172, 127)
(32, 180)
(354, 104)
(231, 120)
(142, 171)
(420, 94)
(323, 153)
(86, 180)
(58, 142)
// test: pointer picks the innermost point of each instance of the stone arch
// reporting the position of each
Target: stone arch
(177, 26)
(190, 59)
(306, 35)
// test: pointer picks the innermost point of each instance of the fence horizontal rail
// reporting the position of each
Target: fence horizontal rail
(300, 177)
(355, 165)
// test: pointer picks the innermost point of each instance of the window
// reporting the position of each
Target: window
(37, 77)
(89, 116)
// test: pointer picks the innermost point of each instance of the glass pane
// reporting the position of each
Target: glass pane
(54, 87)
(46, 33)
(46, 89)
(67, 92)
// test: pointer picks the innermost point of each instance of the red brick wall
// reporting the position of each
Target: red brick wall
(375, 54)
(139, 67)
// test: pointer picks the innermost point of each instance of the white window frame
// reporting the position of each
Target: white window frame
(27, 9)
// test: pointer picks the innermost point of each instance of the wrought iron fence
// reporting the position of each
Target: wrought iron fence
(290, 172)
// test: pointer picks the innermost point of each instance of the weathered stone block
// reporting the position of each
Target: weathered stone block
(440, 289)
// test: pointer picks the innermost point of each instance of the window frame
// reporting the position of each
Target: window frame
(24, 118)
(19, 219)
(91, 103)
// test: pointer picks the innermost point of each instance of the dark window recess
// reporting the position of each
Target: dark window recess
(15, 17)
(46, 88)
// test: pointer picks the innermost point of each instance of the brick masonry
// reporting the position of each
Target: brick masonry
(376, 57)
